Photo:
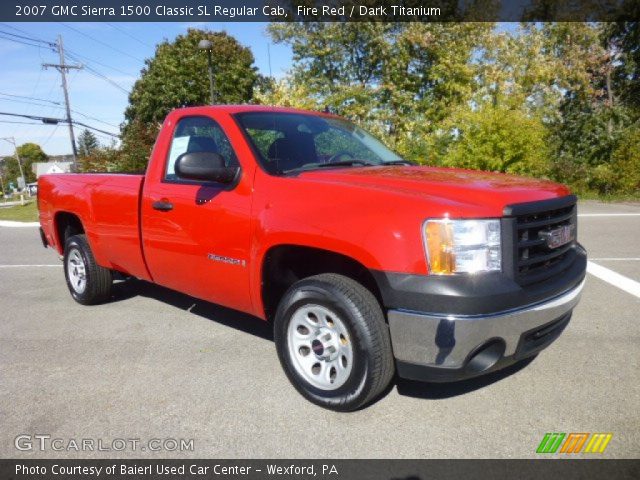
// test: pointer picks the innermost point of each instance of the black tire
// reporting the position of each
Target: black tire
(98, 280)
(359, 311)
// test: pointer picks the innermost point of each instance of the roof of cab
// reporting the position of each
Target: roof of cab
(231, 109)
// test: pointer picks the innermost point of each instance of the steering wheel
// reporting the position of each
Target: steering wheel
(336, 157)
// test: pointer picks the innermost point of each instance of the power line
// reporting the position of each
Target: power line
(52, 121)
(12, 27)
(57, 105)
(17, 100)
(55, 121)
(122, 30)
(81, 58)
(28, 40)
(19, 122)
(95, 119)
(37, 83)
(15, 40)
(29, 98)
(100, 42)
(50, 136)
(23, 39)
(31, 39)
(77, 57)
(95, 129)
(96, 73)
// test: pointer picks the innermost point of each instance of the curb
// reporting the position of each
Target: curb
(9, 223)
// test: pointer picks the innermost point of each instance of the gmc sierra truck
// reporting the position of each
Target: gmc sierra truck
(365, 263)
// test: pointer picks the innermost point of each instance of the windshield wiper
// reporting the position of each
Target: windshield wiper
(399, 162)
(342, 163)
(346, 163)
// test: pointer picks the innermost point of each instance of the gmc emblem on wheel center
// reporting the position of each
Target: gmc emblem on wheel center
(559, 236)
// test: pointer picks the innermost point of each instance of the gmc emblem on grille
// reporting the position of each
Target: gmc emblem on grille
(559, 236)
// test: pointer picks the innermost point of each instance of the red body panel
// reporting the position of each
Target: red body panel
(204, 221)
(107, 206)
(373, 215)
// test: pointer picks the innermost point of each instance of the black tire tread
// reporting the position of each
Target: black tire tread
(99, 279)
(384, 367)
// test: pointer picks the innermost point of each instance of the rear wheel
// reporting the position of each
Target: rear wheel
(333, 342)
(88, 282)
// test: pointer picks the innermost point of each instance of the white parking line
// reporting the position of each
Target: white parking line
(9, 223)
(609, 215)
(26, 266)
(615, 279)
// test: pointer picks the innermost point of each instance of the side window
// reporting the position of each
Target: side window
(263, 139)
(198, 134)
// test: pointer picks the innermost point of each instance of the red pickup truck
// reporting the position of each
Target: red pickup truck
(365, 263)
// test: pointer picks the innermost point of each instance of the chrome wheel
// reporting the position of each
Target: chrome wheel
(77, 271)
(320, 347)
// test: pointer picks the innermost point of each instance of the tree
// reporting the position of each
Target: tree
(400, 80)
(497, 138)
(594, 116)
(570, 77)
(584, 139)
(624, 37)
(87, 143)
(103, 159)
(177, 76)
(625, 163)
(29, 154)
(284, 93)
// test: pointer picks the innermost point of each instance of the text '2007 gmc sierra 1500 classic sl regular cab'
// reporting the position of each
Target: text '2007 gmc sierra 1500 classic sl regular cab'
(365, 263)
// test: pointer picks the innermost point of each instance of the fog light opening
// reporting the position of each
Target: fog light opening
(486, 356)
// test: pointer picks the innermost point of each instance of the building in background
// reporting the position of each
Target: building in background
(56, 164)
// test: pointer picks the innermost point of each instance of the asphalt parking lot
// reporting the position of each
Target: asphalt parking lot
(155, 364)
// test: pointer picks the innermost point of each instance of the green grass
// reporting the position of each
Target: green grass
(20, 213)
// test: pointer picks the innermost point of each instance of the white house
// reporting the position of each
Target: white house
(41, 168)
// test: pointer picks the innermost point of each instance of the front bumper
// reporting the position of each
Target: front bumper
(442, 347)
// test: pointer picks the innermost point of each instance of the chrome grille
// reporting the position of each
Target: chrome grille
(533, 261)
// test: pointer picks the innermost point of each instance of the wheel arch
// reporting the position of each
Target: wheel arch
(283, 265)
(66, 225)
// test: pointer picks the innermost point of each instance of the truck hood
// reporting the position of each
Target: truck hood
(454, 189)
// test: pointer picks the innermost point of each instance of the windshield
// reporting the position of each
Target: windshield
(288, 142)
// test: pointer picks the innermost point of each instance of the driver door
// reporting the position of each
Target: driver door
(196, 234)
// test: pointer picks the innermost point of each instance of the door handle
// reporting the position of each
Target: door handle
(162, 205)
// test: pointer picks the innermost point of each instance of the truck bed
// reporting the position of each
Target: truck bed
(109, 208)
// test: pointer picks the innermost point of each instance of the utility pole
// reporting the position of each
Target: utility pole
(2, 185)
(63, 68)
(12, 140)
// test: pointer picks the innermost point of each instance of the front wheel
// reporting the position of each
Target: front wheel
(88, 282)
(333, 342)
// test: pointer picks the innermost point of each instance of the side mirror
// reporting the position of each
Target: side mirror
(205, 166)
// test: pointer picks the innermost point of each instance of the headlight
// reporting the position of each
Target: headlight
(462, 246)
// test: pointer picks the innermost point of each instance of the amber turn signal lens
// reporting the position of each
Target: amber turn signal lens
(439, 243)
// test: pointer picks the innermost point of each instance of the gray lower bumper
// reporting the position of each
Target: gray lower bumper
(440, 341)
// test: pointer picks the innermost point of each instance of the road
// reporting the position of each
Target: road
(155, 364)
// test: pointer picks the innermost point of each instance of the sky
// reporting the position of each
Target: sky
(116, 51)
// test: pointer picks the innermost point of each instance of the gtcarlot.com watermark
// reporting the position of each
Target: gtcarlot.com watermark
(47, 443)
